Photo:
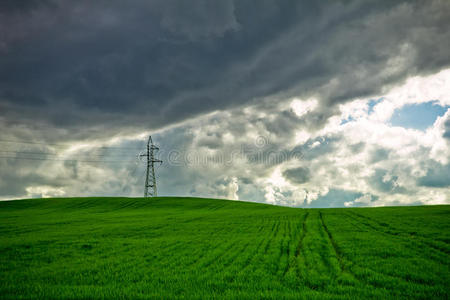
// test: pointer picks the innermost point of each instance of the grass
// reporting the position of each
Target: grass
(204, 248)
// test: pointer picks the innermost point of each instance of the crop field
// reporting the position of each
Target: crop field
(204, 248)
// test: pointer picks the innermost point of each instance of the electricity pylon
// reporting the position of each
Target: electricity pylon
(150, 178)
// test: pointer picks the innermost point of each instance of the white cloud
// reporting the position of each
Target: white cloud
(339, 156)
(303, 107)
(233, 188)
(44, 191)
(418, 89)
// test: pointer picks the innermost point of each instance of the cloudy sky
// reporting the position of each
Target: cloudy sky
(298, 103)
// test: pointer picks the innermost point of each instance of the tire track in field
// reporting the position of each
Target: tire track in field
(169, 248)
(420, 282)
(391, 229)
(123, 205)
(275, 229)
(314, 267)
(239, 260)
(216, 207)
(304, 231)
(299, 246)
(238, 252)
(282, 246)
(334, 267)
(336, 249)
(203, 253)
(288, 246)
(366, 268)
(199, 253)
(398, 232)
(389, 276)
(261, 228)
(404, 235)
(219, 254)
(251, 257)
(223, 252)
(314, 261)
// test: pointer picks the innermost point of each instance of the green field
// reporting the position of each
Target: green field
(204, 248)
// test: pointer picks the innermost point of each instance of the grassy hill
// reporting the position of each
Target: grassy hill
(204, 248)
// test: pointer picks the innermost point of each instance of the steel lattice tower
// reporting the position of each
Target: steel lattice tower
(150, 178)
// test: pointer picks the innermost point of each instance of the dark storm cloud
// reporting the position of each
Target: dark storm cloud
(118, 65)
(438, 176)
(326, 145)
(211, 141)
(297, 175)
(286, 120)
(283, 123)
(17, 172)
(447, 129)
(378, 155)
(384, 182)
(357, 148)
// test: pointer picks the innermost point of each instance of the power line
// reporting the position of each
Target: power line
(27, 142)
(66, 160)
(26, 152)
(84, 156)
(56, 154)
(66, 145)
